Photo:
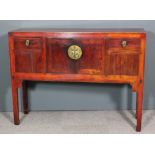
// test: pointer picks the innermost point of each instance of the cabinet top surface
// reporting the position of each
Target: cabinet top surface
(131, 30)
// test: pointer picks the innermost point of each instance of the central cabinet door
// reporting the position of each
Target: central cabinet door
(75, 56)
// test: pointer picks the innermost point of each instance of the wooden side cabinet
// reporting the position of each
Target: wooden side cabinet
(78, 55)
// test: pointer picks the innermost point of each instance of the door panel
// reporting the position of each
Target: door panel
(29, 55)
(122, 60)
(28, 61)
(91, 61)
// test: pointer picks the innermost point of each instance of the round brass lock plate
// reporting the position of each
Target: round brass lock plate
(74, 52)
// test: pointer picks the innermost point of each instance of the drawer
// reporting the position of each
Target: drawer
(121, 45)
(27, 43)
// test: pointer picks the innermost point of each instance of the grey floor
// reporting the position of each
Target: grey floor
(77, 122)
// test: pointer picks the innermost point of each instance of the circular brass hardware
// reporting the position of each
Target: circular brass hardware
(27, 43)
(124, 43)
(74, 52)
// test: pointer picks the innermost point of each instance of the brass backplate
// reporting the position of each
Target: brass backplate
(124, 43)
(27, 43)
(74, 52)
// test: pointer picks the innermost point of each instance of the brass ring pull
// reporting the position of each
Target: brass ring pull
(27, 43)
(74, 52)
(124, 43)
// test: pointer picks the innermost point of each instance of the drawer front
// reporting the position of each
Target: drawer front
(122, 45)
(122, 56)
(27, 43)
(90, 59)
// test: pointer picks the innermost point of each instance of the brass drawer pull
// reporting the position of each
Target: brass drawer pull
(27, 43)
(124, 43)
(74, 52)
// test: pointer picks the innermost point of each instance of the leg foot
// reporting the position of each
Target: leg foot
(17, 122)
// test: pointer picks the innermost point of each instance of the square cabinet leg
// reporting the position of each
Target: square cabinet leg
(25, 97)
(15, 102)
(139, 106)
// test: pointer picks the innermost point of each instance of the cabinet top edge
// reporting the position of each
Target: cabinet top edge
(120, 30)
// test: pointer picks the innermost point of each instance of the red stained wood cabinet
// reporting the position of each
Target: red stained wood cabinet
(79, 55)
